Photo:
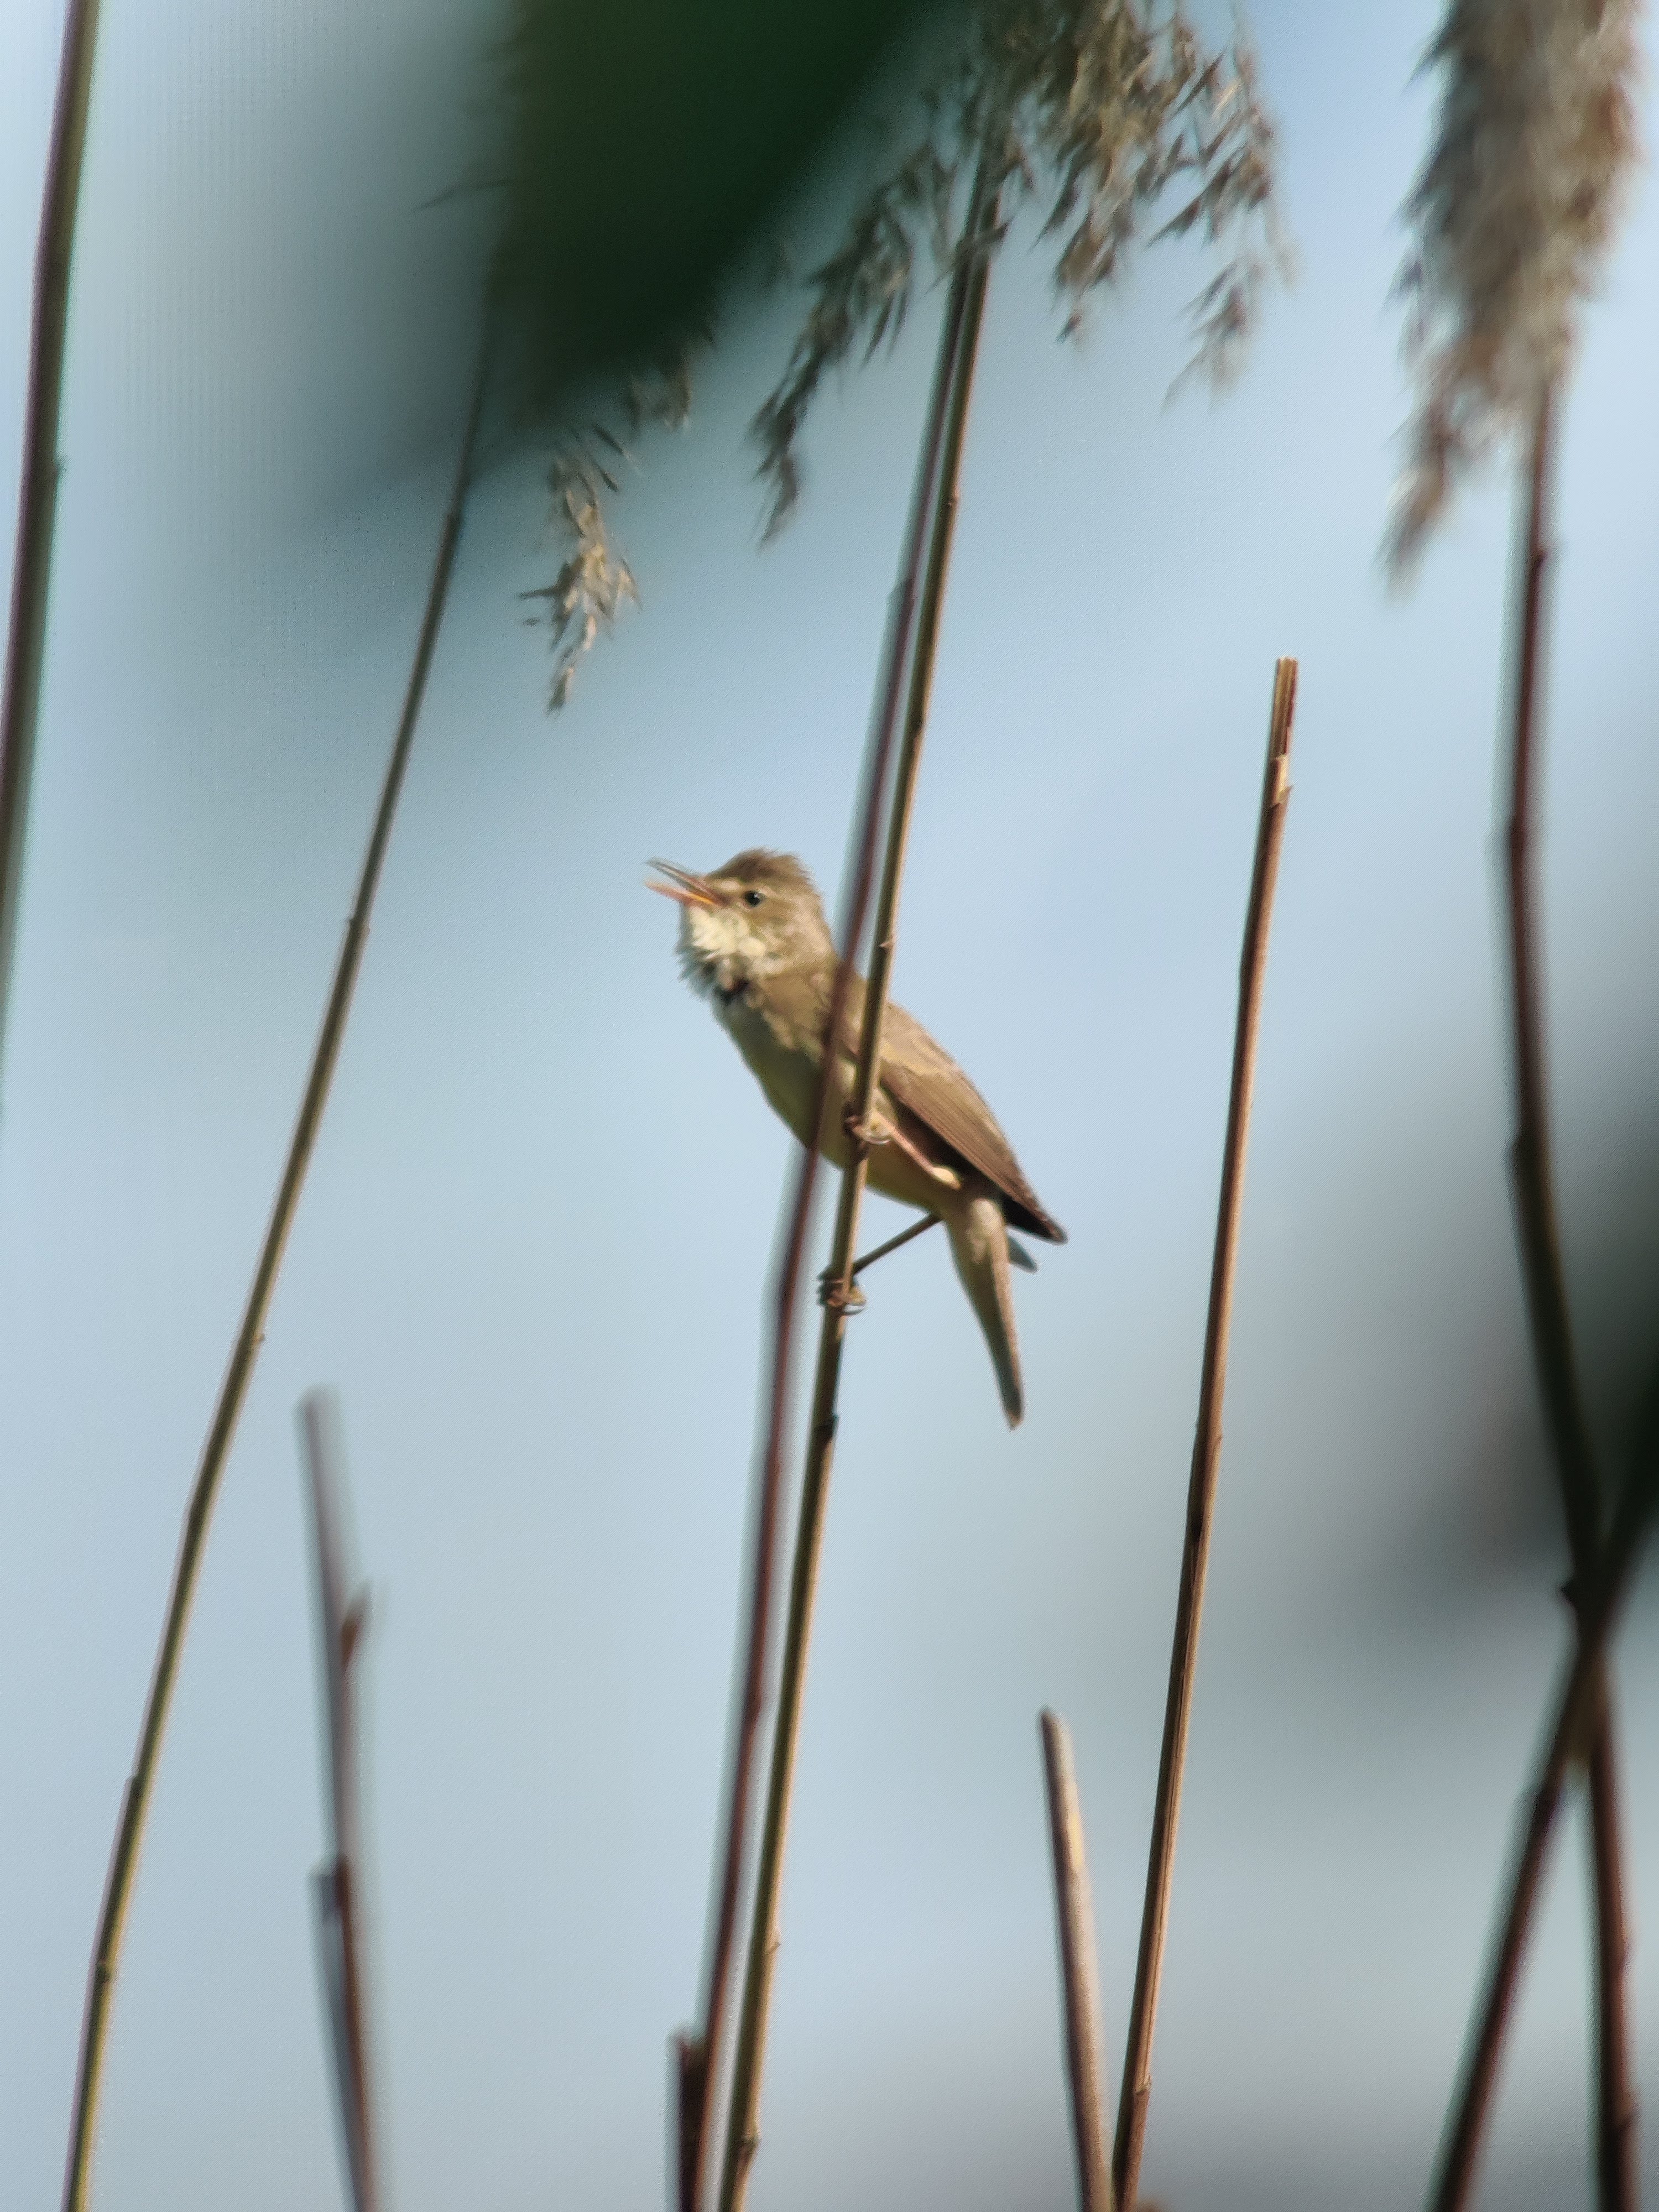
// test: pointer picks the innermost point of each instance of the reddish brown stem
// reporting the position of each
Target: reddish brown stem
(1571, 1734)
(1555, 1364)
(741, 2138)
(697, 2058)
(1207, 1452)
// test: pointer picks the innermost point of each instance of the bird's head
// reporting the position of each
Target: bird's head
(758, 916)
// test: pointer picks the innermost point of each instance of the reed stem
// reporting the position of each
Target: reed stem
(1074, 1913)
(244, 1353)
(1556, 1365)
(741, 2139)
(697, 2057)
(1207, 1452)
(37, 502)
(1570, 1735)
(341, 1617)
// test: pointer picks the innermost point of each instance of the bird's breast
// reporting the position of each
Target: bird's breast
(784, 1060)
(784, 1064)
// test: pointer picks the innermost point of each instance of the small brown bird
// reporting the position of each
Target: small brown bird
(754, 940)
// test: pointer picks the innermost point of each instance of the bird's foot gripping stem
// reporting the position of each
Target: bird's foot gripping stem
(840, 1297)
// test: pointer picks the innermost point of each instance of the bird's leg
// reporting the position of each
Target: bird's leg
(927, 1221)
(855, 1298)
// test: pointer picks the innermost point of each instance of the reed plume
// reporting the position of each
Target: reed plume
(1111, 120)
(1511, 218)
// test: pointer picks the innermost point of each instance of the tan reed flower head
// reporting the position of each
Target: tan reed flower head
(1512, 216)
(1110, 116)
(1094, 111)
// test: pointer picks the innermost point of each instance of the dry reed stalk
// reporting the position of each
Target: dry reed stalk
(244, 1353)
(741, 2139)
(1555, 1364)
(342, 1616)
(1514, 213)
(37, 501)
(697, 2058)
(1571, 1735)
(1074, 1913)
(1206, 1450)
(1553, 1355)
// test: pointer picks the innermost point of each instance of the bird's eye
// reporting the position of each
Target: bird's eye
(752, 898)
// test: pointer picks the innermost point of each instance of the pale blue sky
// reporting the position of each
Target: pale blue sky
(534, 1249)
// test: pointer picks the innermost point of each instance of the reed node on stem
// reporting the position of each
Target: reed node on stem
(342, 1618)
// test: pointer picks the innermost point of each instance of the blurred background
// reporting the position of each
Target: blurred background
(534, 1250)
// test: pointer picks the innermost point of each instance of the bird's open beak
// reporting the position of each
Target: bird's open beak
(687, 889)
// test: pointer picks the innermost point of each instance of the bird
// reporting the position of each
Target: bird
(754, 940)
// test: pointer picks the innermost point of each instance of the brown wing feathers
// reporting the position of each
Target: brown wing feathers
(926, 1082)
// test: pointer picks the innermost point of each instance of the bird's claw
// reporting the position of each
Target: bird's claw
(839, 1298)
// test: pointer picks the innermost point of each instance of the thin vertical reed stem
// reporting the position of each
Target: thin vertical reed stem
(697, 2058)
(37, 504)
(1075, 1914)
(1206, 1451)
(244, 1353)
(341, 1615)
(1555, 1364)
(741, 2139)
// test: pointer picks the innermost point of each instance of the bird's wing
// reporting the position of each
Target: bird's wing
(928, 1084)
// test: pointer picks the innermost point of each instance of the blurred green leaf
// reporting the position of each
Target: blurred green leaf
(648, 144)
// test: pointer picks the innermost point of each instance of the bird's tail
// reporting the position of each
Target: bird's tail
(979, 1245)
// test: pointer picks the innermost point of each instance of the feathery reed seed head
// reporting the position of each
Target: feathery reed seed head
(1512, 216)
(1106, 116)
(1092, 110)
